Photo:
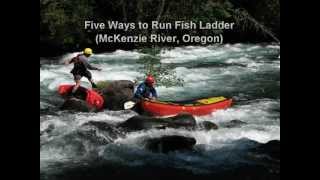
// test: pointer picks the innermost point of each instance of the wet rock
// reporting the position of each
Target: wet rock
(207, 125)
(93, 137)
(183, 120)
(145, 122)
(233, 124)
(84, 140)
(167, 144)
(76, 105)
(48, 130)
(116, 93)
(266, 155)
(271, 148)
(89, 134)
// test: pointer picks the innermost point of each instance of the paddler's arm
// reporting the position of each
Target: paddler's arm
(89, 66)
(70, 61)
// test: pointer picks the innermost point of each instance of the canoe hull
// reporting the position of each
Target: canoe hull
(160, 109)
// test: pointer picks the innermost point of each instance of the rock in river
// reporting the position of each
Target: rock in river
(166, 144)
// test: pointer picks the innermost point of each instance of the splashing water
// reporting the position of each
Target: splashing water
(248, 73)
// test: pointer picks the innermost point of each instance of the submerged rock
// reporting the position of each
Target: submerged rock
(183, 120)
(207, 125)
(145, 122)
(233, 124)
(166, 144)
(271, 148)
(84, 140)
(108, 131)
(48, 130)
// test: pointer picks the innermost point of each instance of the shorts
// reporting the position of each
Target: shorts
(78, 76)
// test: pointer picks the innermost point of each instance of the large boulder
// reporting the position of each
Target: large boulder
(166, 144)
(116, 93)
(140, 122)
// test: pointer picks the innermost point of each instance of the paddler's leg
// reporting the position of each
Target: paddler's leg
(77, 80)
(89, 77)
(93, 84)
(75, 88)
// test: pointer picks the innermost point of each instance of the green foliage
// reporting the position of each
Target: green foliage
(62, 21)
(247, 22)
(163, 73)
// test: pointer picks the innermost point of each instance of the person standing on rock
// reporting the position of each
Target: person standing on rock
(80, 68)
(146, 89)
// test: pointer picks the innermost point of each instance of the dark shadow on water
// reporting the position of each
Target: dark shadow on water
(249, 167)
(110, 171)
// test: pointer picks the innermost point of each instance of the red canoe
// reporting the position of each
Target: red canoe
(198, 108)
(92, 97)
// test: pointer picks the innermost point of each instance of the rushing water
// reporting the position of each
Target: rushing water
(248, 73)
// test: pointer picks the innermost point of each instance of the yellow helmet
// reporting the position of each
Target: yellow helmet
(87, 51)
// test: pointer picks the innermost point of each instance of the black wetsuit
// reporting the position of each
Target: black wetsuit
(81, 66)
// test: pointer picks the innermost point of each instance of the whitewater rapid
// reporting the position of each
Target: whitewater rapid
(248, 73)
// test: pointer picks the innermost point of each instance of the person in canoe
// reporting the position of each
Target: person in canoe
(81, 68)
(146, 90)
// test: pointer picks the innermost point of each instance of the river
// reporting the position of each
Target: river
(248, 73)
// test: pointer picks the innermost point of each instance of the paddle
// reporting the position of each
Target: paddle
(129, 105)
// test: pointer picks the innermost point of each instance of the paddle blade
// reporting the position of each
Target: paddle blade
(129, 105)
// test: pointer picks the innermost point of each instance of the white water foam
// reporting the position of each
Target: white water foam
(119, 54)
(263, 123)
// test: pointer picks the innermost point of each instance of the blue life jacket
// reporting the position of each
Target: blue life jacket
(145, 91)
